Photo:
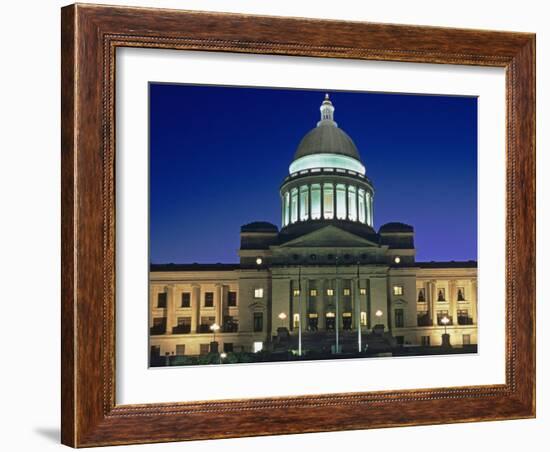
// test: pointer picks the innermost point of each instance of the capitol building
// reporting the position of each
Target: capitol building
(326, 281)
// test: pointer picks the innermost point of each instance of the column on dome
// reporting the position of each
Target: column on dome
(286, 208)
(294, 205)
(371, 210)
(341, 202)
(315, 201)
(352, 203)
(328, 201)
(361, 205)
(304, 203)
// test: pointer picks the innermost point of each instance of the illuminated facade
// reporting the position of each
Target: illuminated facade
(326, 277)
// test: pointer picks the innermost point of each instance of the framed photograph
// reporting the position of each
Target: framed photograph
(281, 225)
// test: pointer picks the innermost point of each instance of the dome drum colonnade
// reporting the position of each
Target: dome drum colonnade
(327, 179)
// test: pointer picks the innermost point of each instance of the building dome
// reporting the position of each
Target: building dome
(326, 181)
(327, 138)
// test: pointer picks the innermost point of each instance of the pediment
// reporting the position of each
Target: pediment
(330, 236)
(400, 302)
(256, 306)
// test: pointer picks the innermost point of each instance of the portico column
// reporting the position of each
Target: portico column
(309, 202)
(452, 301)
(170, 308)
(218, 303)
(473, 296)
(431, 287)
(196, 307)
(347, 202)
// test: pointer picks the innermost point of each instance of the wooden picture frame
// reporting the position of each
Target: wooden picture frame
(90, 36)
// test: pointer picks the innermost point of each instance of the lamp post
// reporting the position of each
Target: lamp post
(223, 355)
(282, 317)
(378, 314)
(445, 339)
(445, 321)
(214, 327)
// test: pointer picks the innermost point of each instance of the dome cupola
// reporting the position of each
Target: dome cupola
(327, 179)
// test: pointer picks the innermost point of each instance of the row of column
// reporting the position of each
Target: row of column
(431, 293)
(352, 304)
(316, 201)
(220, 306)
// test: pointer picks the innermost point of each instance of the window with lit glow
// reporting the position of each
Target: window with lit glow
(296, 320)
(362, 206)
(330, 292)
(296, 292)
(313, 292)
(398, 290)
(315, 201)
(347, 292)
(328, 201)
(352, 203)
(259, 293)
(286, 208)
(363, 318)
(304, 201)
(341, 202)
(294, 206)
(363, 291)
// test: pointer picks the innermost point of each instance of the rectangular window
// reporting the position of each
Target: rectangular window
(363, 318)
(185, 300)
(183, 327)
(460, 294)
(180, 349)
(313, 292)
(258, 322)
(161, 300)
(258, 293)
(443, 315)
(423, 319)
(296, 292)
(231, 299)
(425, 341)
(352, 204)
(441, 294)
(363, 291)
(209, 299)
(361, 205)
(328, 201)
(230, 324)
(330, 292)
(296, 320)
(228, 347)
(304, 201)
(204, 349)
(294, 205)
(206, 323)
(341, 202)
(463, 318)
(315, 201)
(347, 292)
(421, 295)
(466, 339)
(399, 318)
(397, 290)
(159, 325)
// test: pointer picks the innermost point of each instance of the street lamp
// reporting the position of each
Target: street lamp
(378, 313)
(445, 320)
(214, 327)
(282, 317)
(223, 355)
(259, 261)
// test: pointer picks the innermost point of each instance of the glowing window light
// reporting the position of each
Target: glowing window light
(327, 160)
(352, 204)
(315, 201)
(294, 206)
(341, 201)
(328, 201)
(286, 208)
(304, 201)
(367, 207)
(361, 205)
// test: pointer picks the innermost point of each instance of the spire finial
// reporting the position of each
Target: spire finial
(327, 111)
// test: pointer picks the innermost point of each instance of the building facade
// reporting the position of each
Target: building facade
(325, 277)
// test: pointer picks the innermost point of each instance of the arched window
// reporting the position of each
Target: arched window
(328, 201)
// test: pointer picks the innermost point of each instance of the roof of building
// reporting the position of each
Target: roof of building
(395, 227)
(192, 267)
(259, 226)
(327, 138)
(447, 264)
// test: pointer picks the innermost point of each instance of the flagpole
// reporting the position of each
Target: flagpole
(300, 310)
(358, 309)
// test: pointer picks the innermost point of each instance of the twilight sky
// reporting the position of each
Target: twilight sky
(219, 154)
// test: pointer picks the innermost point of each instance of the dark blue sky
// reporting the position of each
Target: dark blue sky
(219, 154)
